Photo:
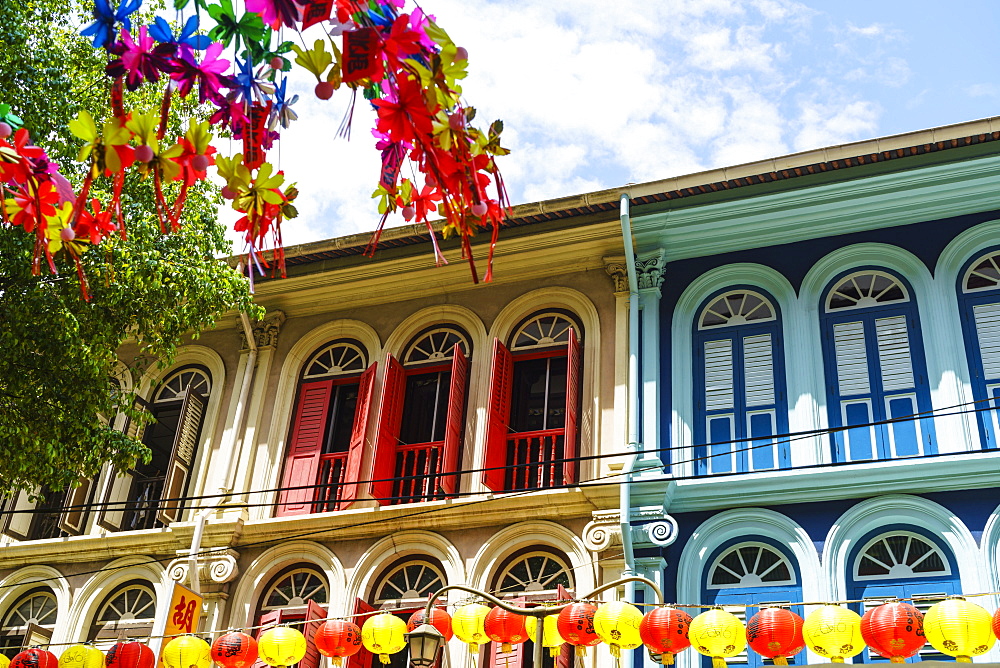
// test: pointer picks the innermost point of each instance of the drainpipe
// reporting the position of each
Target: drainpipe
(633, 398)
(199, 529)
(248, 372)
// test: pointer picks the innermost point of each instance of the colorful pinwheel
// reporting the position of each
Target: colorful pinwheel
(209, 75)
(104, 27)
(186, 42)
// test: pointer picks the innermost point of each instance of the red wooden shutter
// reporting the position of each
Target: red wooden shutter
(304, 448)
(572, 409)
(390, 417)
(315, 615)
(456, 415)
(363, 659)
(266, 621)
(498, 416)
(356, 453)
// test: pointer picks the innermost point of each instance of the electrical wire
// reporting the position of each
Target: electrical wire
(770, 441)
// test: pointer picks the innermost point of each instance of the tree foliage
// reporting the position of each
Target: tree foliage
(58, 352)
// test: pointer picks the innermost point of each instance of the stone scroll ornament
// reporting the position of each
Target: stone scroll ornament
(236, 64)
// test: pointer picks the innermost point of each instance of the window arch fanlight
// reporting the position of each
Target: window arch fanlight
(29, 621)
(410, 580)
(751, 565)
(544, 330)
(864, 289)
(739, 384)
(734, 308)
(900, 554)
(532, 572)
(294, 587)
(173, 388)
(338, 358)
(130, 609)
(875, 368)
(436, 345)
(983, 273)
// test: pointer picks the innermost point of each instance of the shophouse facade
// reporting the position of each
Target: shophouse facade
(388, 428)
(819, 376)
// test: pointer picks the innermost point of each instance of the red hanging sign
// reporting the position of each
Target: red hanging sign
(361, 55)
(316, 11)
(253, 135)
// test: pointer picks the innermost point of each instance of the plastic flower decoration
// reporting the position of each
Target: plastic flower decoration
(104, 27)
(282, 112)
(246, 29)
(186, 42)
(276, 12)
(209, 75)
(407, 117)
(109, 150)
(251, 87)
(140, 60)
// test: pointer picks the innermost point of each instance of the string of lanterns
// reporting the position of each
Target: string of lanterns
(894, 630)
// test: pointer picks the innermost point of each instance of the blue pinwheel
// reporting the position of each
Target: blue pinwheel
(187, 41)
(282, 111)
(104, 28)
(251, 87)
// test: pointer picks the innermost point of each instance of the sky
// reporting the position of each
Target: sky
(597, 94)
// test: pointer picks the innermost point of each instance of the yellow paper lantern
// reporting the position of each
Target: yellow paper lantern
(958, 628)
(78, 656)
(187, 652)
(718, 634)
(281, 646)
(4, 661)
(551, 637)
(384, 634)
(617, 624)
(834, 632)
(468, 625)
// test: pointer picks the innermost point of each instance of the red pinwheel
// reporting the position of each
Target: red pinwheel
(139, 60)
(32, 206)
(401, 41)
(209, 75)
(94, 225)
(407, 118)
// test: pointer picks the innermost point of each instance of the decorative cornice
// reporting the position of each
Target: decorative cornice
(217, 568)
(265, 332)
(618, 271)
(650, 271)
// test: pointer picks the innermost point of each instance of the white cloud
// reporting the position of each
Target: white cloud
(827, 122)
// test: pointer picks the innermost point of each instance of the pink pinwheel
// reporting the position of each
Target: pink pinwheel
(140, 60)
(276, 12)
(231, 113)
(209, 75)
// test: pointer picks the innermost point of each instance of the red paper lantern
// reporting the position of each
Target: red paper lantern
(35, 658)
(775, 633)
(337, 638)
(576, 625)
(440, 620)
(506, 628)
(996, 623)
(130, 655)
(894, 630)
(664, 631)
(234, 650)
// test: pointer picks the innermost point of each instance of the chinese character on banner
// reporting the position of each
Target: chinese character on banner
(184, 613)
(254, 134)
(316, 11)
(361, 56)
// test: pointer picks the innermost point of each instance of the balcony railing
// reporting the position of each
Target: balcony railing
(536, 458)
(144, 501)
(418, 472)
(330, 481)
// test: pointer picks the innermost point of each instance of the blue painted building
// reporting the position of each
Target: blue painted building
(819, 375)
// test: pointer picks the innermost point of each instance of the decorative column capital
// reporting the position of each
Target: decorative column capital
(265, 331)
(618, 271)
(603, 531)
(216, 568)
(650, 271)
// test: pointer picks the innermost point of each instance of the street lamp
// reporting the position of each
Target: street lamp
(425, 640)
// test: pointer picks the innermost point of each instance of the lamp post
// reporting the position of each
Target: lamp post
(425, 641)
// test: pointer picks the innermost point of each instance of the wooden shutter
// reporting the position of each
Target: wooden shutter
(758, 370)
(390, 418)
(851, 358)
(17, 524)
(573, 382)
(987, 318)
(498, 416)
(719, 375)
(116, 495)
(894, 353)
(363, 659)
(304, 448)
(315, 615)
(266, 621)
(73, 519)
(456, 415)
(136, 428)
(181, 457)
(356, 452)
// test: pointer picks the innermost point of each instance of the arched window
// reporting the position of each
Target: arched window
(146, 497)
(744, 577)
(875, 368)
(901, 563)
(532, 428)
(739, 385)
(409, 583)
(298, 593)
(421, 418)
(327, 437)
(129, 610)
(29, 621)
(979, 298)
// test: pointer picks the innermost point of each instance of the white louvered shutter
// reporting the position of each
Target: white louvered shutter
(988, 331)
(852, 358)
(894, 353)
(758, 370)
(719, 375)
